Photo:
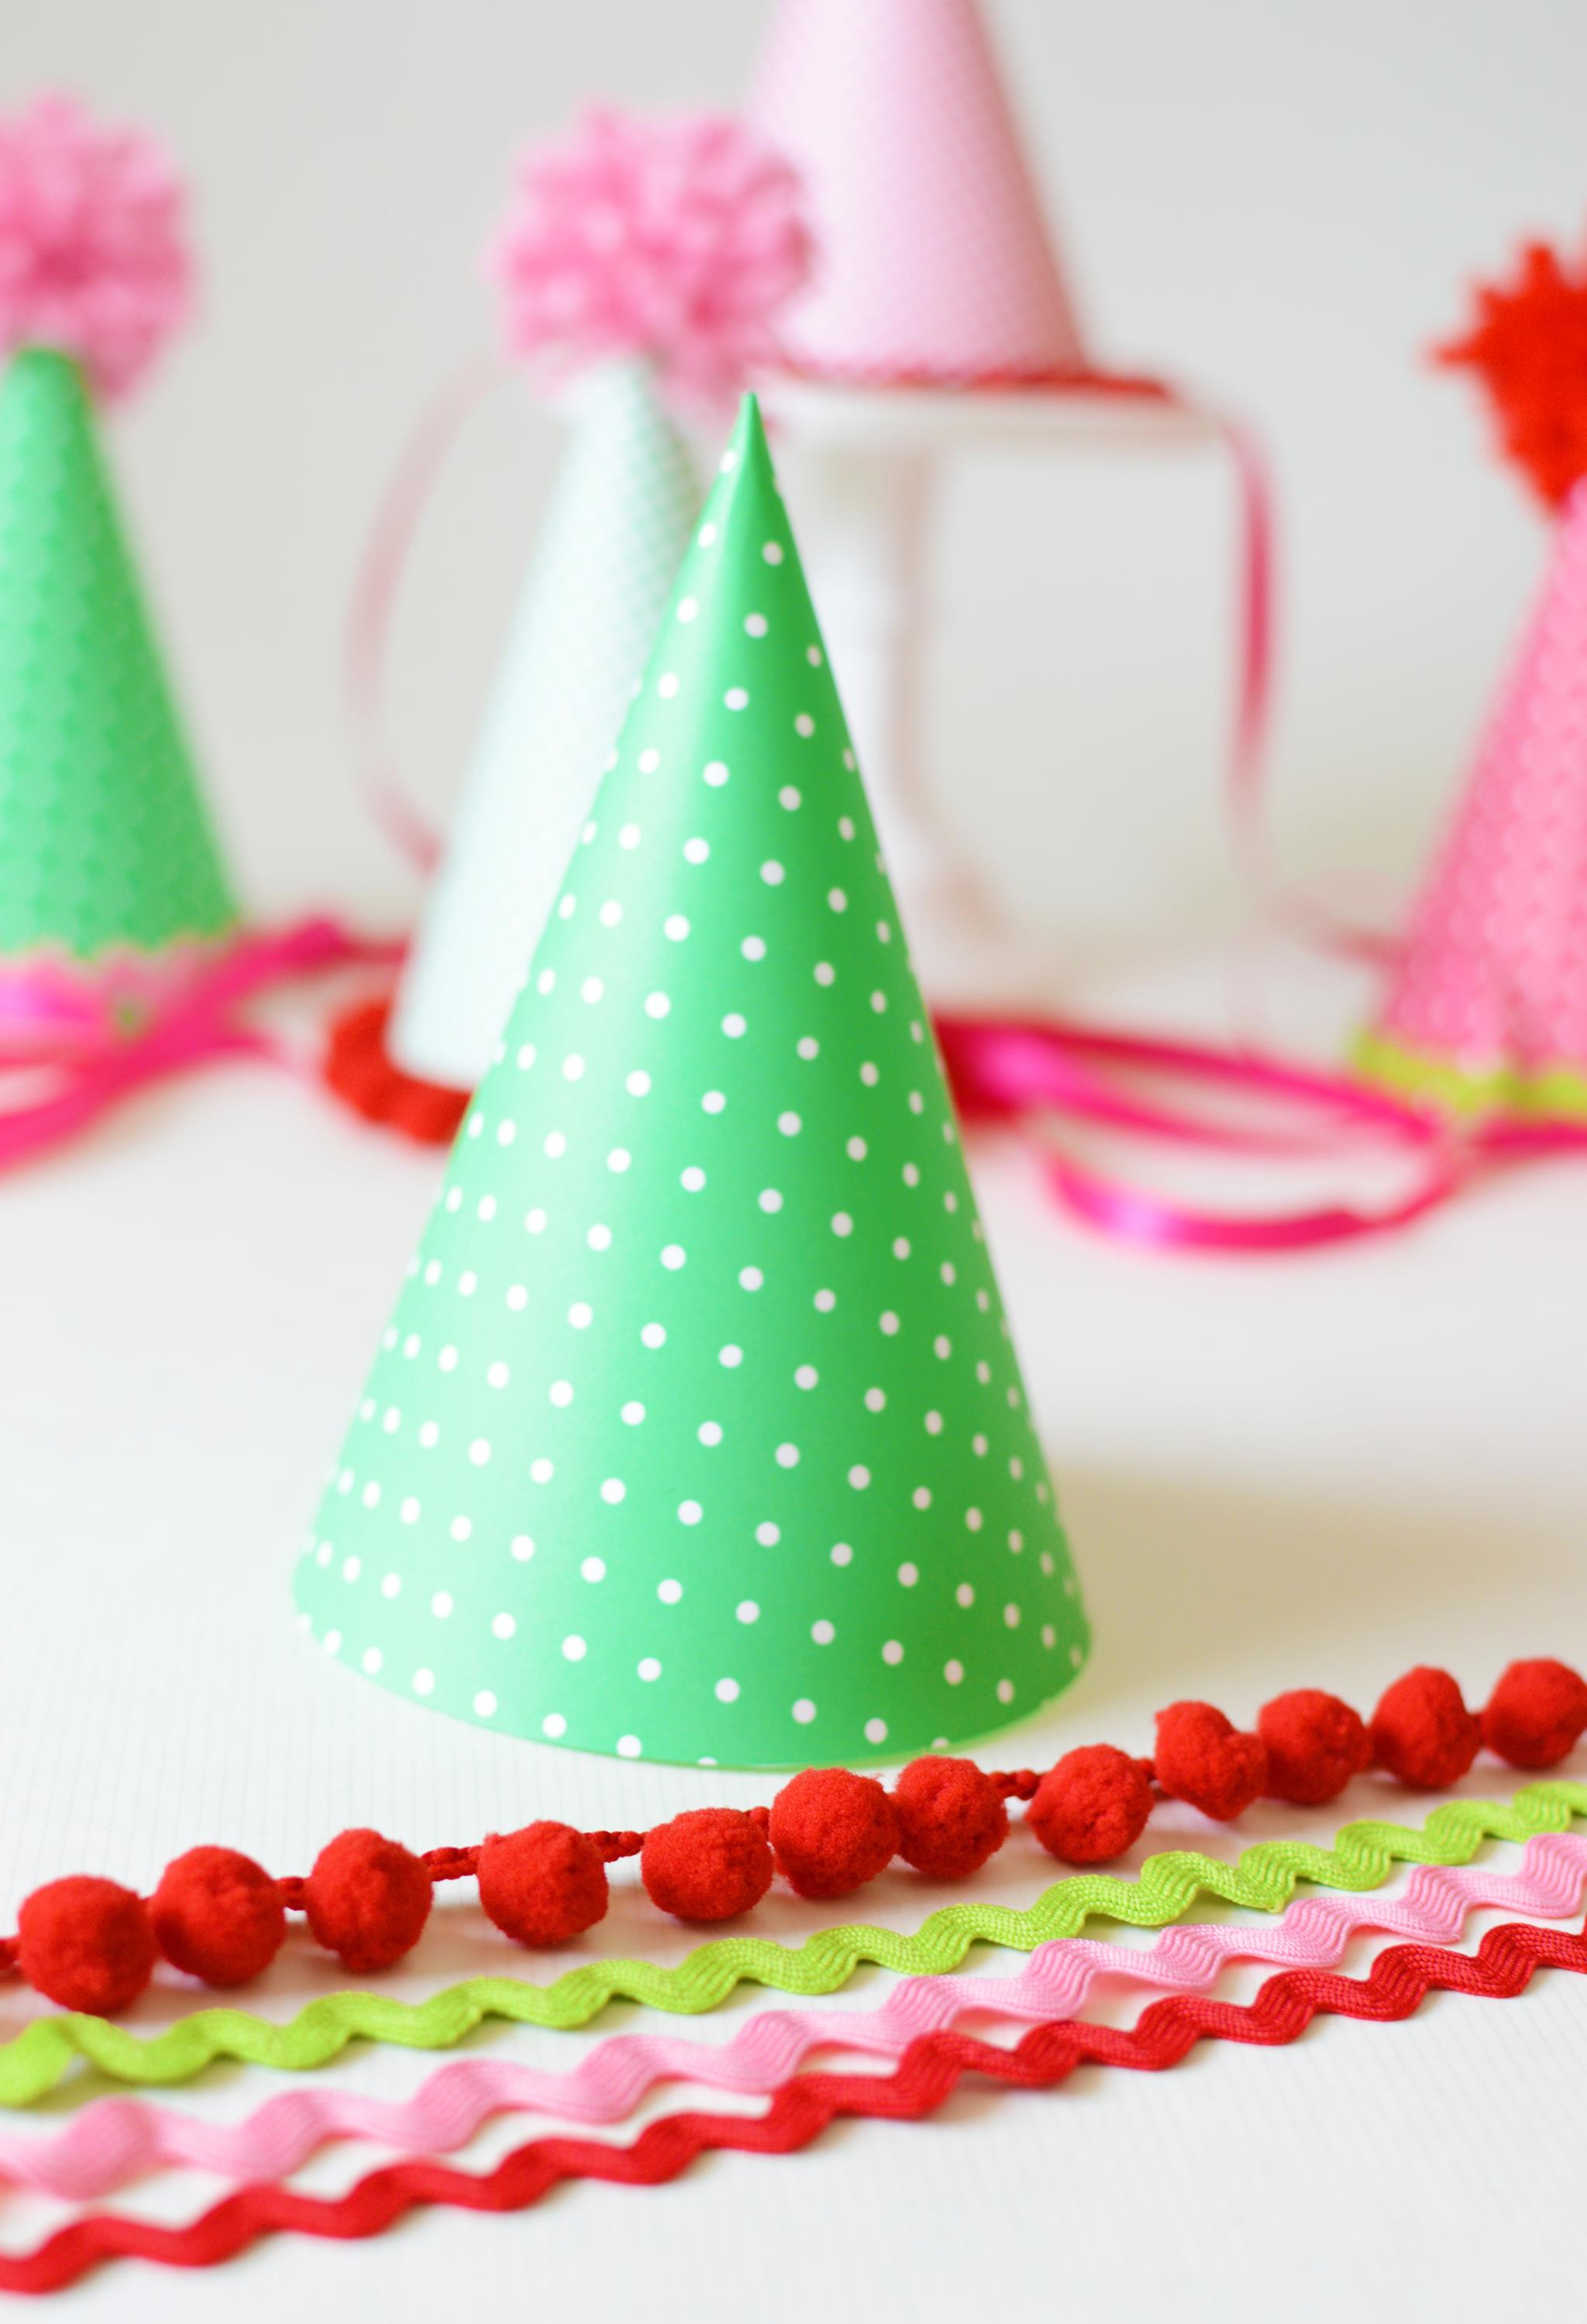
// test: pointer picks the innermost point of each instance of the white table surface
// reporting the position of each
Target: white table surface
(1310, 1471)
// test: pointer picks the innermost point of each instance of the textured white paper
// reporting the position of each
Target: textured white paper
(1306, 1472)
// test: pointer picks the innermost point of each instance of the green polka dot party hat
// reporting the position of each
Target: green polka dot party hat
(696, 1434)
(106, 851)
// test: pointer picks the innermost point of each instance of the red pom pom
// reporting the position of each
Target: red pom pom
(1422, 1731)
(544, 1884)
(832, 1831)
(1535, 1713)
(218, 1915)
(951, 1817)
(1204, 1759)
(86, 1943)
(709, 1864)
(367, 1899)
(1315, 1744)
(1091, 1806)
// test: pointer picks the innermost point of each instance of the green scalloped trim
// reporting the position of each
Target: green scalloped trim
(1420, 1074)
(1264, 1880)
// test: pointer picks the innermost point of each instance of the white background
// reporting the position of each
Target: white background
(1279, 206)
(1303, 1471)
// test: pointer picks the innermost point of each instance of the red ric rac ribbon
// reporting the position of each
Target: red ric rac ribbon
(808, 2104)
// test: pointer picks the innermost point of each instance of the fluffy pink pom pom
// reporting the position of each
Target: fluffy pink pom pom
(94, 259)
(675, 238)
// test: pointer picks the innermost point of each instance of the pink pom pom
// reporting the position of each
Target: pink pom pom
(675, 238)
(94, 259)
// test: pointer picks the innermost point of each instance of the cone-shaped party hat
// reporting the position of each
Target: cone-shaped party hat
(105, 844)
(935, 263)
(596, 590)
(1487, 1007)
(696, 1434)
(1488, 1004)
(650, 253)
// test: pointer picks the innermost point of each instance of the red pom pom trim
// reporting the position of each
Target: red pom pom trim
(1422, 1731)
(543, 1885)
(710, 1863)
(1204, 1759)
(218, 1915)
(367, 1900)
(1536, 1714)
(91, 1945)
(951, 1817)
(1091, 1806)
(1315, 1743)
(86, 1943)
(832, 1831)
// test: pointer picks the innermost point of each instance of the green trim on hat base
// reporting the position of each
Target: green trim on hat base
(1469, 1092)
(696, 1434)
(105, 842)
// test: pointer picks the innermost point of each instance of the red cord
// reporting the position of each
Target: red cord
(91, 1945)
(359, 1069)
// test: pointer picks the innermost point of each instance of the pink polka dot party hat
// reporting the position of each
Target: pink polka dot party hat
(697, 1432)
(934, 263)
(1487, 1009)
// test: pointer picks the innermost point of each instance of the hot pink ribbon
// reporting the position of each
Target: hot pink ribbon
(1013, 1072)
(95, 1060)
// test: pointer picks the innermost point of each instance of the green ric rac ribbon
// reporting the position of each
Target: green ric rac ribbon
(1264, 1880)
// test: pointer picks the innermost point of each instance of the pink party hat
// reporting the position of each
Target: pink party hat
(1489, 1004)
(935, 263)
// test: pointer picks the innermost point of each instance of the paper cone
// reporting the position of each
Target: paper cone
(590, 610)
(696, 1434)
(934, 259)
(105, 844)
(1488, 1006)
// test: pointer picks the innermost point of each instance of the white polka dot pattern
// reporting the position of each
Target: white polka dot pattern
(1489, 1000)
(706, 1421)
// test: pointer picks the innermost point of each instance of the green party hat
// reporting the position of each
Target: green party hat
(104, 839)
(696, 1434)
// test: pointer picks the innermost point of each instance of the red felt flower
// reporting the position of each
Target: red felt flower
(1528, 346)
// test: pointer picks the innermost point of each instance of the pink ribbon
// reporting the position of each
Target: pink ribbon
(1021, 1072)
(1013, 1072)
(385, 557)
(424, 454)
(95, 1060)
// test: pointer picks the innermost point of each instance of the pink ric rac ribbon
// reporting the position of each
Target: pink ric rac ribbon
(71, 1056)
(115, 2140)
